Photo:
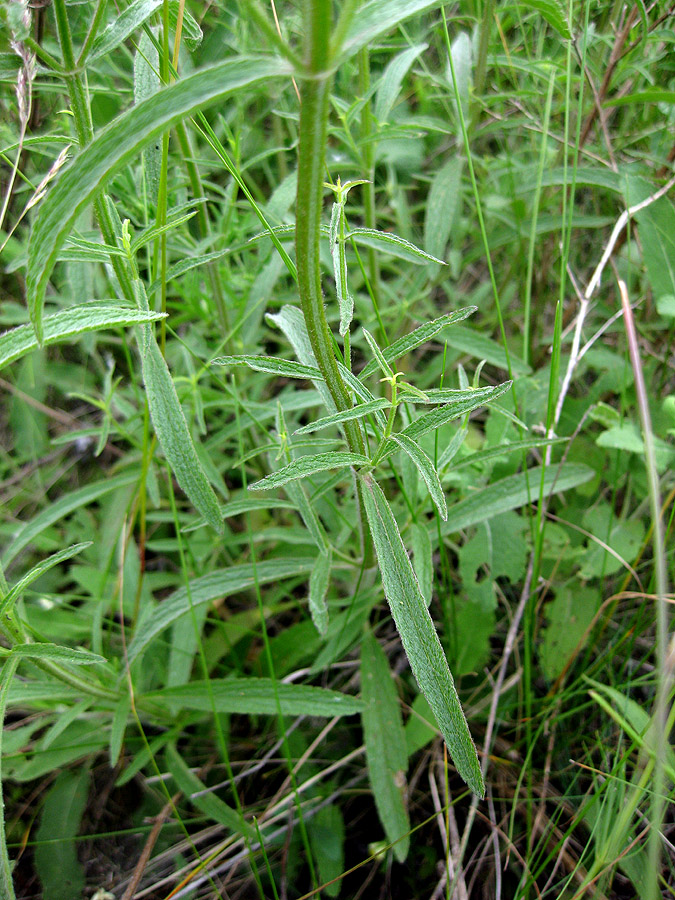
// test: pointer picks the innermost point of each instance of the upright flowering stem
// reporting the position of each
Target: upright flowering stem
(314, 96)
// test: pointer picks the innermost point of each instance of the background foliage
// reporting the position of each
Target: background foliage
(204, 692)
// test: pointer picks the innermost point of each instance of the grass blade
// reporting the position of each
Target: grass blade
(418, 635)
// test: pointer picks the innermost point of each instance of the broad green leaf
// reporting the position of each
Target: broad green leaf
(386, 754)
(422, 560)
(123, 26)
(319, 582)
(392, 244)
(258, 696)
(146, 84)
(116, 146)
(426, 469)
(308, 465)
(173, 433)
(512, 493)
(418, 635)
(38, 570)
(270, 365)
(443, 206)
(327, 835)
(377, 17)
(196, 792)
(555, 13)
(356, 412)
(390, 84)
(70, 323)
(55, 853)
(61, 507)
(417, 337)
(568, 615)
(56, 652)
(216, 585)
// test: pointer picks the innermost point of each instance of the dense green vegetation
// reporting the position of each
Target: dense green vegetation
(337, 358)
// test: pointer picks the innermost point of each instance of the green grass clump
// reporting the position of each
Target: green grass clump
(337, 440)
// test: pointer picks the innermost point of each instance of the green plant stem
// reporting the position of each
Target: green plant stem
(314, 96)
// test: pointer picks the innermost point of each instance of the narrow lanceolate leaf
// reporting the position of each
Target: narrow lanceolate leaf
(392, 78)
(377, 17)
(426, 469)
(308, 465)
(251, 696)
(6, 881)
(285, 368)
(201, 797)
(356, 412)
(44, 566)
(470, 400)
(58, 653)
(319, 582)
(123, 25)
(393, 244)
(67, 324)
(116, 146)
(379, 359)
(173, 433)
(418, 337)
(386, 752)
(214, 586)
(418, 635)
(422, 559)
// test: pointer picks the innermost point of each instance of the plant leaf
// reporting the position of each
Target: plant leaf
(116, 146)
(258, 696)
(426, 469)
(376, 18)
(198, 795)
(44, 566)
(216, 585)
(319, 582)
(554, 12)
(393, 244)
(173, 433)
(512, 493)
(390, 84)
(418, 635)
(285, 368)
(70, 323)
(56, 862)
(417, 337)
(308, 465)
(61, 507)
(356, 412)
(123, 26)
(57, 652)
(443, 204)
(384, 738)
